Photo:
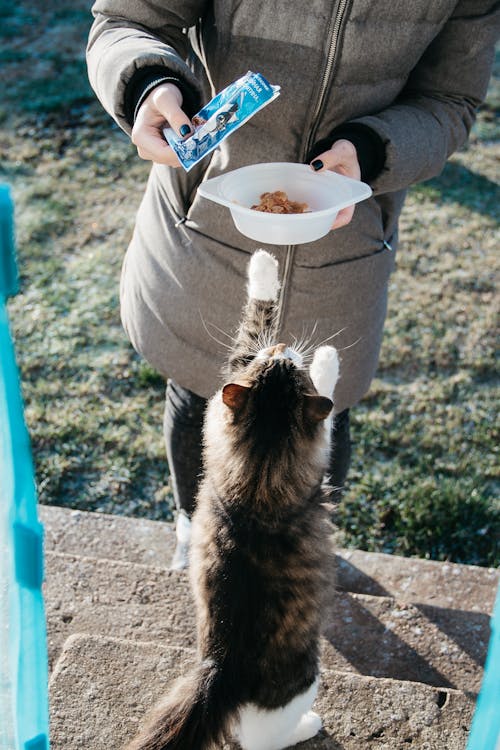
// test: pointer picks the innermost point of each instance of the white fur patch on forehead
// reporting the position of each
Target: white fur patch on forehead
(263, 282)
(324, 370)
(288, 353)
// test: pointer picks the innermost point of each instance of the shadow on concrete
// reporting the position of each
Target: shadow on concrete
(373, 650)
(469, 630)
(322, 741)
(351, 578)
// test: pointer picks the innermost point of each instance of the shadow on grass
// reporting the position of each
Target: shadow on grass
(458, 184)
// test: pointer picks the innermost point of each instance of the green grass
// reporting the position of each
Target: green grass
(424, 479)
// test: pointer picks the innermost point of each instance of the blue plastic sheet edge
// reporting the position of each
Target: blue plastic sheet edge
(485, 729)
(27, 645)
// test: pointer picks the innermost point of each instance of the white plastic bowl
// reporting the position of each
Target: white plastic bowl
(325, 193)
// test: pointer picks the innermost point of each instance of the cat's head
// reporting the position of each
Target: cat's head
(273, 397)
(267, 431)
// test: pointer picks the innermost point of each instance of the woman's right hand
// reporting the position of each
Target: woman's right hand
(160, 109)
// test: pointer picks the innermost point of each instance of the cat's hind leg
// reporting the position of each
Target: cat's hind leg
(262, 729)
(263, 282)
(308, 726)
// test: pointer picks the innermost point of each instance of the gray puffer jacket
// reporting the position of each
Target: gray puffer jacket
(414, 72)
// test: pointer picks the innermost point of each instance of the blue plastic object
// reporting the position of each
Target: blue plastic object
(23, 643)
(485, 730)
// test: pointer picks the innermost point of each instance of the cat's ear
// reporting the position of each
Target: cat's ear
(235, 395)
(318, 407)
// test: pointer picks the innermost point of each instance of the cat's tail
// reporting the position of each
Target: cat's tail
(196, 715)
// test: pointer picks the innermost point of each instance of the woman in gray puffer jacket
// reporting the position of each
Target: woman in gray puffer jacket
(384, 90)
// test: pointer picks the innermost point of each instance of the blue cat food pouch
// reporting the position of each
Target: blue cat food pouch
(227, 111)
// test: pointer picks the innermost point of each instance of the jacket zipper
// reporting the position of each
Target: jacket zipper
(332, 52)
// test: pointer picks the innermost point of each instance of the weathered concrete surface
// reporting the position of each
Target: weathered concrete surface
(108, 597)
(369, 635)
(465, 587)
(134, 540)
(101, 688)
(448, 585)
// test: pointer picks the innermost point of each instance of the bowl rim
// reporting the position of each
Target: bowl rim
(216, 183)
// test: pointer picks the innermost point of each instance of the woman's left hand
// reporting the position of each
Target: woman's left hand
(342, 158)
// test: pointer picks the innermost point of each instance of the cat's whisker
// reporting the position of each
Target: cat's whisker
(264, 339)
(221, 330)
(306, 338)
(214, 338)
(299, 343)
(303, 345)
(329, 338)
(316, 345)
(349, 346)
(311, 335)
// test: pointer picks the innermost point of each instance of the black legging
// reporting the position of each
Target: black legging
(182, 426)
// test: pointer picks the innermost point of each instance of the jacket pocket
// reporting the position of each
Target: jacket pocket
(363, 237)
(384, 247)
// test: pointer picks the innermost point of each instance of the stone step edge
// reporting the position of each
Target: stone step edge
(182, 575)
(150, 543)
(98, 561)
(48, 514)
(75, 638)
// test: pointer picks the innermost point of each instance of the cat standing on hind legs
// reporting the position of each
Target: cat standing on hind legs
(259, 550)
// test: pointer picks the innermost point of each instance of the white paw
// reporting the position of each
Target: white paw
(324, 370)
(263, 282)
(183, 528)
(308, 726)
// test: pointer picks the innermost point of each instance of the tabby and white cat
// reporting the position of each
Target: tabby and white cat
(259, 549)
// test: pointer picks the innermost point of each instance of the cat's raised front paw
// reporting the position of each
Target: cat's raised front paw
(263, 282)
(324, 370)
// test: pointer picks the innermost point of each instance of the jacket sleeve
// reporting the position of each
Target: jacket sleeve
(435, 112)
(127, 37)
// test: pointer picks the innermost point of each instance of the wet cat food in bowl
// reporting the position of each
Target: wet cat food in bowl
(324, 193)
(279, 203)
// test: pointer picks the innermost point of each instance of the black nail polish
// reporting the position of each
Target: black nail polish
(184, 130)
(317, 164)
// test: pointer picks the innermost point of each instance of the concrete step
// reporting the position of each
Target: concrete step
(102, 687)
(376, 636)
(459, 587)
(111, 597)
(135, 540)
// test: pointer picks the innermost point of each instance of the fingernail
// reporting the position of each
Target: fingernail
(184, 130)
(317, 164)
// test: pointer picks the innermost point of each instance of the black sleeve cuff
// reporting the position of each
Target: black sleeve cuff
(145, 80)
(368, 144)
